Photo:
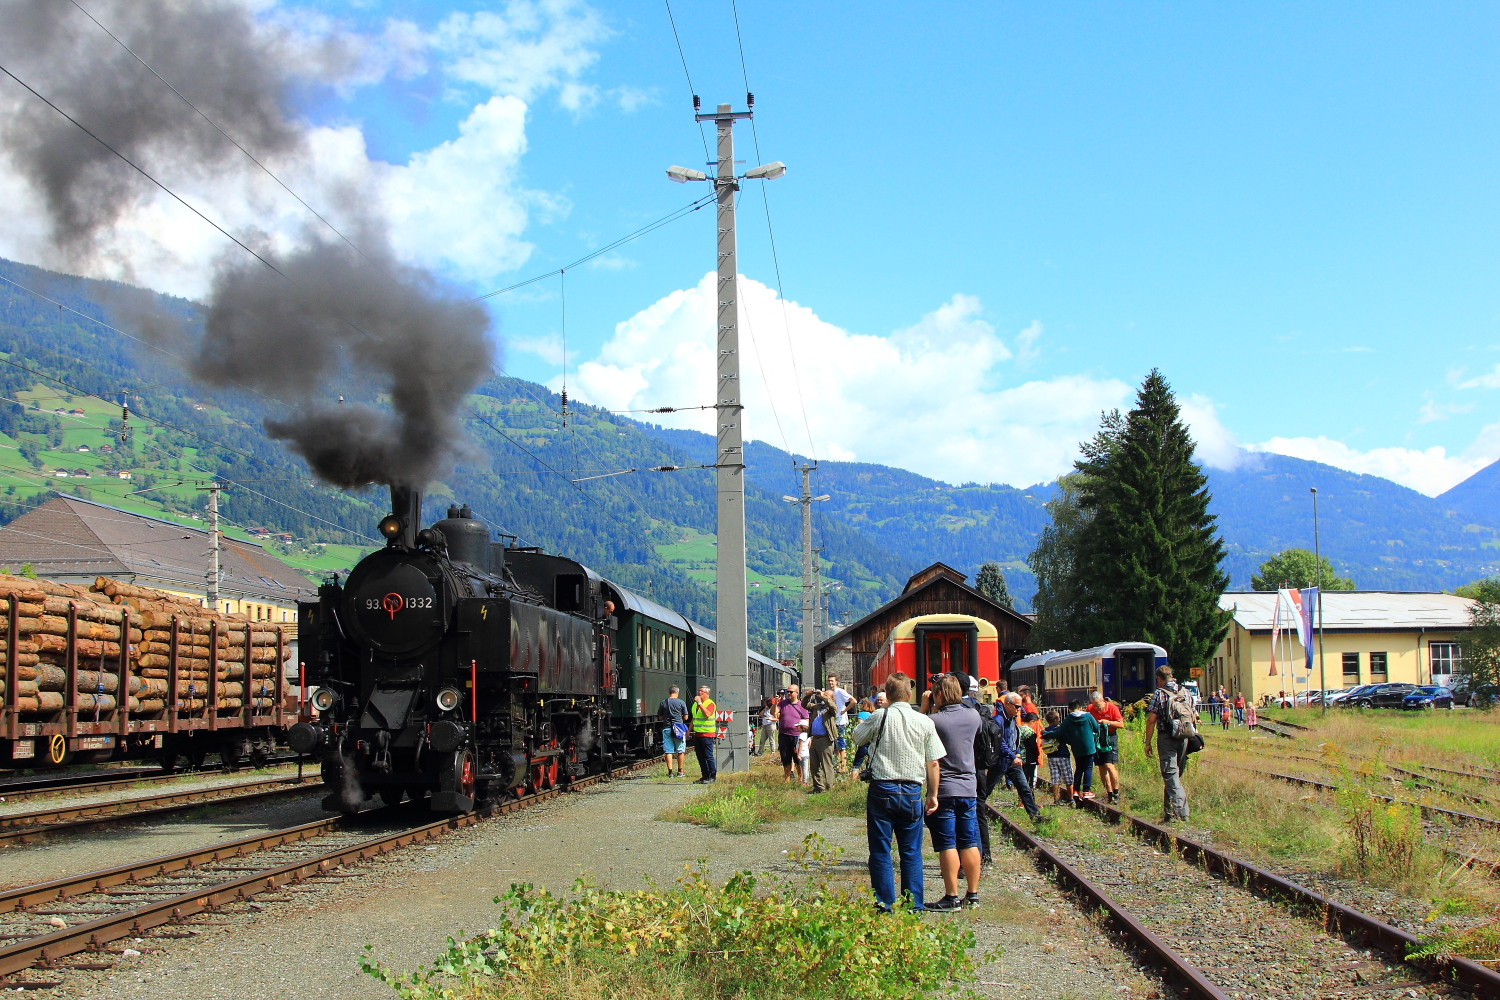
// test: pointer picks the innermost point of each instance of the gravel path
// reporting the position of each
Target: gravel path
(305, 941)
(1249, 947)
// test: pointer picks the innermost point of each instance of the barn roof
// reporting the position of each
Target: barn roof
(71, 538)
(933, 576)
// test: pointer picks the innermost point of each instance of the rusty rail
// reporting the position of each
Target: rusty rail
(94, 935)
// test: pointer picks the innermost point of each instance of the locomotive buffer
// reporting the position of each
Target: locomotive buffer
(733, 693)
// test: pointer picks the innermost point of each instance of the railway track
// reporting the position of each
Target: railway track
(152, 777)
(99, 908)
(26, 827)
(1423, 781)
(89, 781)
(1428, 812)
(1203, 947)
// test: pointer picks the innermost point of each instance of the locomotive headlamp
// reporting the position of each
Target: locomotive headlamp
(447, 699)
(390, 526)
(323, 699)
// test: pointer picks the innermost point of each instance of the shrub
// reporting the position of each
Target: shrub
(699, 939)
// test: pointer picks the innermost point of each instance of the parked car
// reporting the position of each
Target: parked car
(1382, 696)
(1483, 696)
(1428, 696)
(1344, 697)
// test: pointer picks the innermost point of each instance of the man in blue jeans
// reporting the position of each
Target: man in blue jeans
(904, 751)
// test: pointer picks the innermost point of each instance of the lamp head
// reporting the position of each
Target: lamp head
(681, 175)
(766, 172)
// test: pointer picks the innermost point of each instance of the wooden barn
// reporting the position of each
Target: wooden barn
(937, 590)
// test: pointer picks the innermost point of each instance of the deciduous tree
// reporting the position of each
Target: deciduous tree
(1295, 569)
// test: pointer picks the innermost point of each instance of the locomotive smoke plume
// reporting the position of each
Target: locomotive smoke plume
(333, 317)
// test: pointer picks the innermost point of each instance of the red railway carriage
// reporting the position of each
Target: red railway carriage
(924, 647)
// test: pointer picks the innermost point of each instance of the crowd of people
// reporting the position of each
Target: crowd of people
(936, 760)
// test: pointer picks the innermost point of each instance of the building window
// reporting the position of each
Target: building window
(1351, 668)
(1447, 659)
(1377, 666)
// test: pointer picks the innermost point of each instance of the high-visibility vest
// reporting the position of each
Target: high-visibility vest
(704, 719)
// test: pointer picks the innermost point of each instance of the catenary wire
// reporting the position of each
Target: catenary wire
(688, 76)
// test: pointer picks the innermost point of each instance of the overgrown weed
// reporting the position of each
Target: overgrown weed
(707, 940)
(754, 801)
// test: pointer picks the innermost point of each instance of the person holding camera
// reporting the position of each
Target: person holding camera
(904, 752)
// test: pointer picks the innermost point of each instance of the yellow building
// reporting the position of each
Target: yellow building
(1367, 637)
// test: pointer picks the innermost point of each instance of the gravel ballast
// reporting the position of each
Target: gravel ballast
(305, 941)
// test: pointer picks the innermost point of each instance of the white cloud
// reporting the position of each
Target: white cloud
(1490, 380)
(1431, 471)
(1026, 349)
(1218, 448)
(548, 347)
(1432, 411)
(511, 57)
(930, 397)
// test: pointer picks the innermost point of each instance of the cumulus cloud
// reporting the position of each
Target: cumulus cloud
(503, 61)
(1489, 380)
(933, 397)
(1430, 471)
(1218, 448)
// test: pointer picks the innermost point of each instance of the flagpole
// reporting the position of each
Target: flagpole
(1318, 570)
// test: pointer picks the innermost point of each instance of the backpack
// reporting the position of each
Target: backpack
(1180, 711)
(987, 743)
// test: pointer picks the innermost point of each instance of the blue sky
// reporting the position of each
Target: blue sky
(997, 218)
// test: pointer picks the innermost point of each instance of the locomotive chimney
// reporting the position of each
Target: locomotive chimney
(406, 517)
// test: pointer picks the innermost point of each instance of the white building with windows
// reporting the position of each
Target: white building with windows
(1368, 637)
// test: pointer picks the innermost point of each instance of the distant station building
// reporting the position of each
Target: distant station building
(937, 590)
(1369, 637)
(75, 541)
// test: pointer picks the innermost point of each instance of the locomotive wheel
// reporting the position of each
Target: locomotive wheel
(392, 796)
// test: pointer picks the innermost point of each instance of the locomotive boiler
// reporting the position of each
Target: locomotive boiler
(441, 672)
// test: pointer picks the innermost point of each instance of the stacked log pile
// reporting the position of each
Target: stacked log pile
(244, 657)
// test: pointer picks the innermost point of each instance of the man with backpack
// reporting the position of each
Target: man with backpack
(1170, 716)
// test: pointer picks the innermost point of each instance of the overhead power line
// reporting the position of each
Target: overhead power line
(649, 228)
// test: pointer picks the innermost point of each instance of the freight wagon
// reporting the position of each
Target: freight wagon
(115, 671)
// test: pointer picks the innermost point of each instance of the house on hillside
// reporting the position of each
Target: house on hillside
(74, 541)
(937, 590)
(1368, 637)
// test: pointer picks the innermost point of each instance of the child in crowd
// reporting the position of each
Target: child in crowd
(1080, 731)
(1224, 716)
(1059, 758)
(804, 752)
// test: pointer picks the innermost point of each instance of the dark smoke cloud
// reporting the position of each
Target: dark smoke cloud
(427, 345)
(237, 70)
(332, 313)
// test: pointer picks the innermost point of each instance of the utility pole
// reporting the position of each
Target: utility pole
(1318, 574)
(213, 538)
(809, 588)
(731, 611)
(820, 632)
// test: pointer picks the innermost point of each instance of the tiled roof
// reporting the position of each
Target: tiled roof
(1370, 610)
(69, 537)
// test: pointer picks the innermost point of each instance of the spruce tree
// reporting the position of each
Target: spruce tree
(1148, 565)
(991, 583)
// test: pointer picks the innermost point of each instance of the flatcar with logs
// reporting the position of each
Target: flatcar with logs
(456, 669)
(115, 671)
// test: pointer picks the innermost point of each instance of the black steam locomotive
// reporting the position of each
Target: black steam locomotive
(438, 671)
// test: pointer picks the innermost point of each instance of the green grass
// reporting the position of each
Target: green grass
(1440, 738)
(756, 800)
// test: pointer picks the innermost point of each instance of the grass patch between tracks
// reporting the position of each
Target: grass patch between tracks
(754, 801)
(770, 937)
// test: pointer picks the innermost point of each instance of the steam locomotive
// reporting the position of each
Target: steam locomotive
(461, 670)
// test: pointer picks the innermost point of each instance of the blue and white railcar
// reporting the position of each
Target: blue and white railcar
(1123, 671)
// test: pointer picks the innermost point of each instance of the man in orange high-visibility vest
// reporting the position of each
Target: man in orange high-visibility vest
(703, 721)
